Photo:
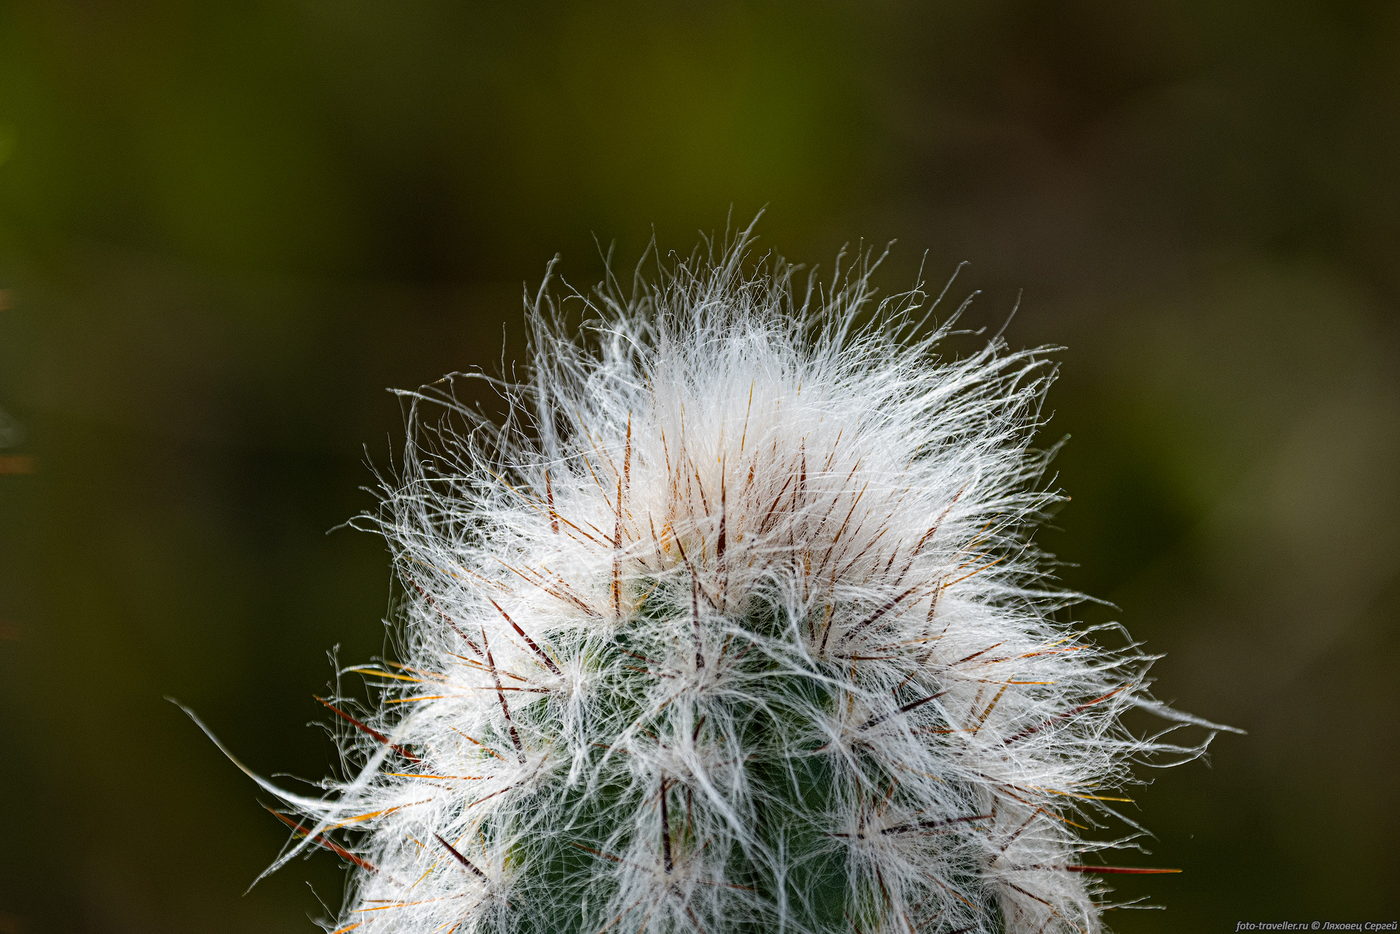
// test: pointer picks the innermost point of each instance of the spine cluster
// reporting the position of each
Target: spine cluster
(733, 627)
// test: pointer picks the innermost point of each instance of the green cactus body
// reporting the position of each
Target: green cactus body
(654, 675)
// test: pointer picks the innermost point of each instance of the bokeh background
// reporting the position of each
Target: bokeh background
(226, 228)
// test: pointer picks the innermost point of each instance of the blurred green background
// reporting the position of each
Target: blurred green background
(226, 228)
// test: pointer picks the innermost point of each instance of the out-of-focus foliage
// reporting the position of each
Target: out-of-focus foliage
(225, 227)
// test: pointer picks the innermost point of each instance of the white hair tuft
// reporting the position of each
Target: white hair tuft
(733, 626)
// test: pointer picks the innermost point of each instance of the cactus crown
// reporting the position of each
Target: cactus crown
(734, 626)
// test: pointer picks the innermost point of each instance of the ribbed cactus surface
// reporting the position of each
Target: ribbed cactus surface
(733, 627)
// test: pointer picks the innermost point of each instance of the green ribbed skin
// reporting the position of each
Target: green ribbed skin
(806, 795)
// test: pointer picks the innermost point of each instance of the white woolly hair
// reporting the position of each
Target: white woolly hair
(734, 625)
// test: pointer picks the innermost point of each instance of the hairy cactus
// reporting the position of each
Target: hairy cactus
(735, 626)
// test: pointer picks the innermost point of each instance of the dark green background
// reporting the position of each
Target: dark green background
(226, 228)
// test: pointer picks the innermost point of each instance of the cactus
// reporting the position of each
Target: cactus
(735, 626)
